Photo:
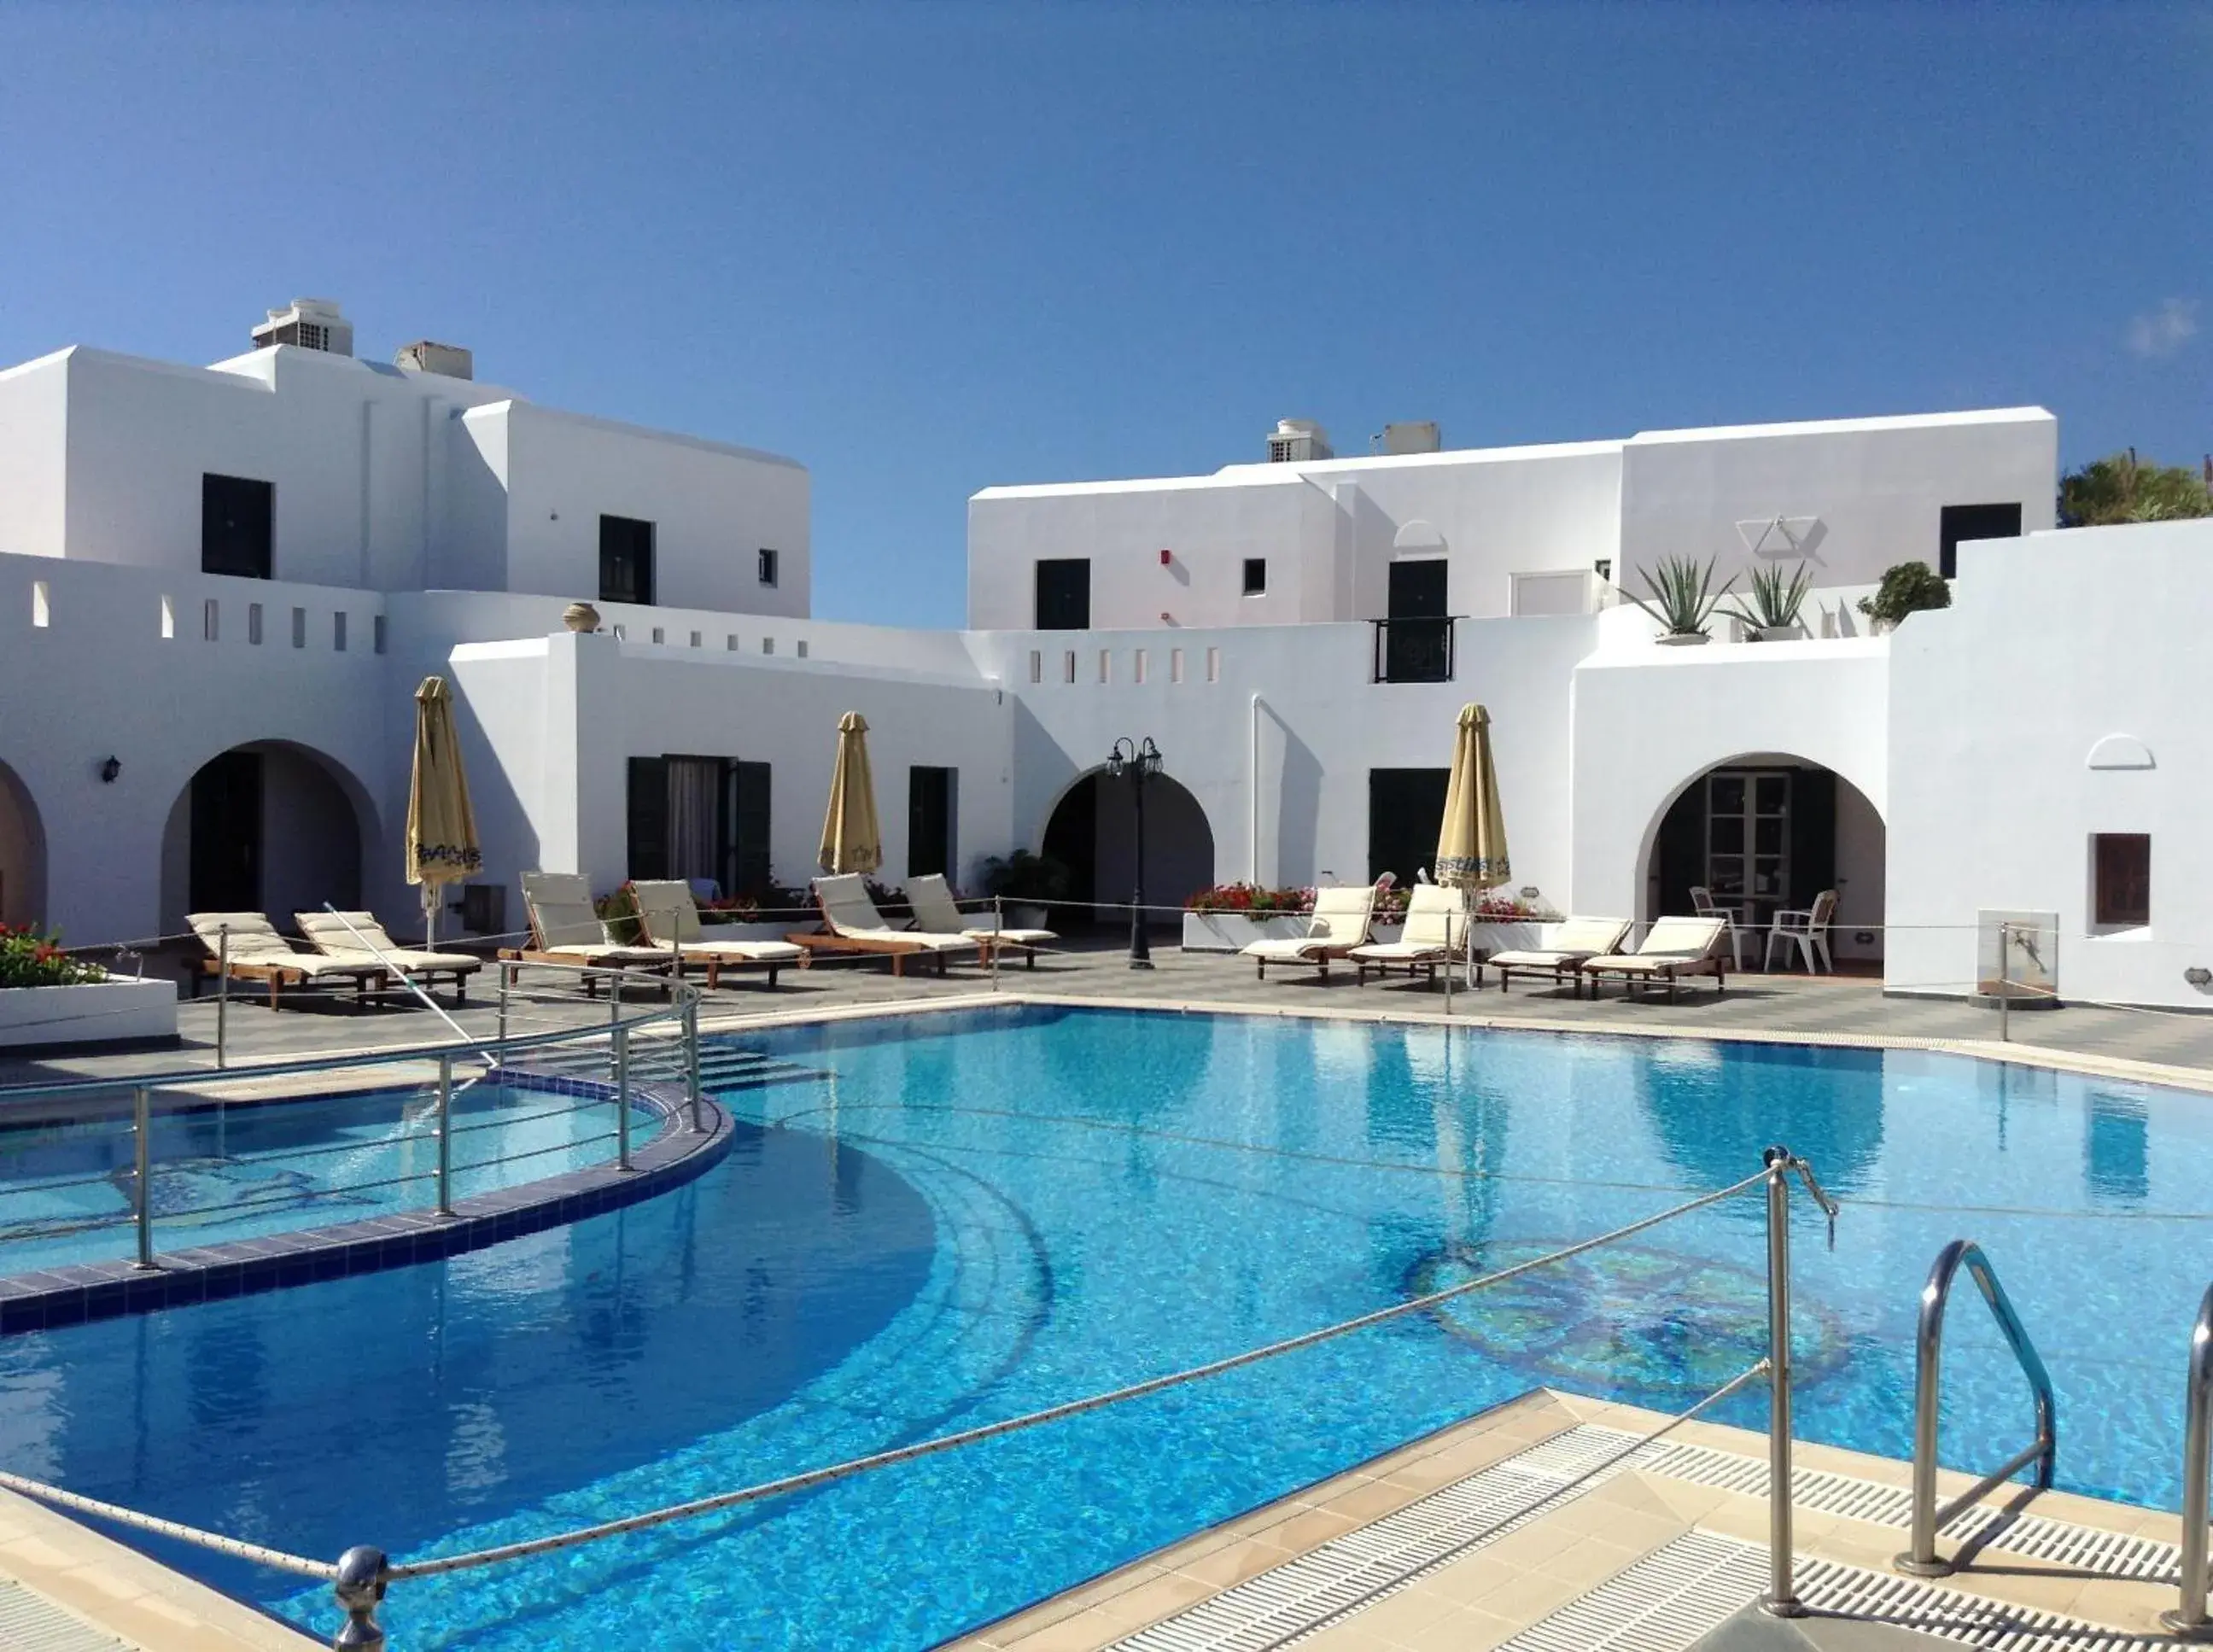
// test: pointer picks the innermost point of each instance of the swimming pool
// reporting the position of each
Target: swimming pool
(959, 1216)
(241, 1171)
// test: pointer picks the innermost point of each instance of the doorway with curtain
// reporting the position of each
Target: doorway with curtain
(700, 819)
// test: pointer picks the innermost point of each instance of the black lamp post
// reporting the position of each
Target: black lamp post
(1140, 760)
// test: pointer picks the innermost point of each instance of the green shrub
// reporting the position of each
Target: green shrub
(1909, 588)
(1022, 876)
(30, 958)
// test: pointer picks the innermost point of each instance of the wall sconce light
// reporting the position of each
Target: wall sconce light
(1167, 557)
(109, 770)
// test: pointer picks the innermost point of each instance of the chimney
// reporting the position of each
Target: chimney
(423, 357)
(309, 324)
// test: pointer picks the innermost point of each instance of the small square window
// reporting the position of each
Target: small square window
(660, 634)
(768, 645)
(2121, 862)
(767, 562)
(1256, 575)
(695, 639)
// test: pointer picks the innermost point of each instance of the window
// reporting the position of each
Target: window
(1957, 523)
(377, 634)
(1063, 593)
(1256, 575)
(1405, 812)
(2122, 861)
(699, 817)
(211, 619)
(625, 560)
(253, 623)
(238, 519)
(767, 562)
(338, 630)
(929, 794)
(299, 628)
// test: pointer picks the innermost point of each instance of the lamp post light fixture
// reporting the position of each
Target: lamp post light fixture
(1141, 761)
(110, 769)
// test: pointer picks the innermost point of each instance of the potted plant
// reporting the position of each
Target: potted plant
(1024, 883)
(1682, 598)
(1772, 616)
(49, 999)
(1906, 589)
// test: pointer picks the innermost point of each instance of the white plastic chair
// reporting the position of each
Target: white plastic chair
(1809, 928)
(1702, 902)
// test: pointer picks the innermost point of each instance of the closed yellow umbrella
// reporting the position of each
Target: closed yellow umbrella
(852, 841)
(442, 827)
(1472, 846)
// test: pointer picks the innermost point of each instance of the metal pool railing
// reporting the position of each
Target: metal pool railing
(552, 1022)
(361, 1577)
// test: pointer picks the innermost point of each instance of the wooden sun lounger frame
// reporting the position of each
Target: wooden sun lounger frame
(367, 979)
(827, 940)
(1317, 956)
(1669, 969)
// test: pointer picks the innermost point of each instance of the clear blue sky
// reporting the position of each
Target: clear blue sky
(929, 247)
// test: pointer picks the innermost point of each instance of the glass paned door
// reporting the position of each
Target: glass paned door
(1748, 843)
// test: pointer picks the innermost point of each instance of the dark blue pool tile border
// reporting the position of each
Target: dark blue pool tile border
(52, 1299)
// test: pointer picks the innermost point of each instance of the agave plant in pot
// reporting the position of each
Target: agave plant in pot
(1683, 599)
(1772, 616)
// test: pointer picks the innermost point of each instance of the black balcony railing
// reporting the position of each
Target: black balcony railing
(1414, 650)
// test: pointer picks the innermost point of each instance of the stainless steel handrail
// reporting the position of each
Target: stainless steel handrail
(2189, 1618)
(1922, 1560)
(681, 993)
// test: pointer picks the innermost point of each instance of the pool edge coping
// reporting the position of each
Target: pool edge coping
(52, 1299)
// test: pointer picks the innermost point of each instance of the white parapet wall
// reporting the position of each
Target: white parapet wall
(121, 1009)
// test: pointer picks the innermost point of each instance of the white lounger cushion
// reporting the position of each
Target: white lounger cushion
(255, 940)
(847, 910)
(672, 923)
(1672, 943)
(1340, 921)
(940, 914)
(1570, 942)
(1432, 908)
(561, 911)
(327, 932)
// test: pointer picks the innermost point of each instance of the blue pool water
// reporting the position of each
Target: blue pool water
(963, 1218)
(241, 1171)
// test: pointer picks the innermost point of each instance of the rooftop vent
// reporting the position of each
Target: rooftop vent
(1420, 437)
(309, 323)
(424, 356)
(1297, 439)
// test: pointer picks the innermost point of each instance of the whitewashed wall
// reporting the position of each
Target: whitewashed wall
(2054, 643)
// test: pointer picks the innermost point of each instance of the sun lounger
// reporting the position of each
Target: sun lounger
(1571, 944)
(254, 951)
(1339, 923)
(1435, 933)
(670, 919)
(358, 938)
(936, 912)
(1673, 948)
(852, 924)
(564, 929)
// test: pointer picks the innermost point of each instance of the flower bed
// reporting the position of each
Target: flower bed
(49, 999)
(29, 958)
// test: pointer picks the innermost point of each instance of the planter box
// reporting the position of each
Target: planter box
(1483, 939)
(98, 1012)
(1232, 931)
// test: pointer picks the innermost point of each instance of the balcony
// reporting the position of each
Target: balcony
(1414, 650)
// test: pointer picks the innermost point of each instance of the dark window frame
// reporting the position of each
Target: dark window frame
(932, 790)
(238, 526)
(767, 565)
(1256, 576)
(634, 540)
(1056, 603)
(2120, 880)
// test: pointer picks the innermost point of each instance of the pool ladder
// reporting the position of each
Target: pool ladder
(1922, 1560)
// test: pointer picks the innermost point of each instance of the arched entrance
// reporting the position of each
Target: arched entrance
(264, 828)
(1768, 831)
(1094, 832)
(22, 853)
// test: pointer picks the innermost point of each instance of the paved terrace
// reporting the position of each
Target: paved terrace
(1843, 1008)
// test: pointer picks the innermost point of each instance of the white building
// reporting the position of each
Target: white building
(228, 580)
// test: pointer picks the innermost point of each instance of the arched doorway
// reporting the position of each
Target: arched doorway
(1094, 832)
(1768, 831)
(22, 853)
(264, 828)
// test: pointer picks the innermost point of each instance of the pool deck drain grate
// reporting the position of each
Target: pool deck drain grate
(31, 1623)
(1682, 1591)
